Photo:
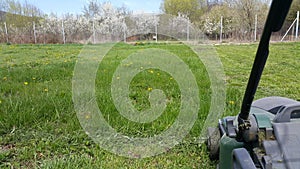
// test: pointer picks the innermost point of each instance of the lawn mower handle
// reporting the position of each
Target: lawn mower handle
(278, 12)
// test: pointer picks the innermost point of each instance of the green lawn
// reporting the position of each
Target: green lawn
(39, 127)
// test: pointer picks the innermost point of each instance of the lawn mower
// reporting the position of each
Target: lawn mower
(266, 133)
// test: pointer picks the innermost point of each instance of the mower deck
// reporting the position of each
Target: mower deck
(288, 141)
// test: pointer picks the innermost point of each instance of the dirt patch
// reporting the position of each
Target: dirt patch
(7, 147)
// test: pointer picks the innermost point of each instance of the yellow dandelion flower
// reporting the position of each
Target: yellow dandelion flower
(150, 89)
(46, 90)
(151, 71)
(231, 102)
(5, 78)
(33, 78)
(26, 83)
(171, 78)
(158, 74)
(0, 102)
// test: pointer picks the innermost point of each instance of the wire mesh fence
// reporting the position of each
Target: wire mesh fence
(116, 27)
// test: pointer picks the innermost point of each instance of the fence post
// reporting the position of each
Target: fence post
(94, 31)
(156, 32)
(221, 31)
(255, 30)
(44, 31)
(6, 32)
(124, 32)
(296, 21)
(63, 31)
(293, 24)
(188, 29)
(297, 25)
(34, 33)
(293, 36)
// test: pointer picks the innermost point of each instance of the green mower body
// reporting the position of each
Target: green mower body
(266, 133)
(276, 137)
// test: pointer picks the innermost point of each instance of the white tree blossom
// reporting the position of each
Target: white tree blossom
(179, 26)
(75, 25)
(144, 23)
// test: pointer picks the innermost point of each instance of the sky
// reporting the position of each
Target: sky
(75, 6)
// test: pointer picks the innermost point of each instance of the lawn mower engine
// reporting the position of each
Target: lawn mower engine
(266, 133)
(273, 138)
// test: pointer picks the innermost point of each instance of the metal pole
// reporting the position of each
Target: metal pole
(124, 29)
(221, 32)
(297, 25)
(289, 30)
(44, 32)
(293, 31)
(188, 29)
(156, 34)
(34, 33)
(6, 32)
(255, 31)
(94, 32)
(63, 31)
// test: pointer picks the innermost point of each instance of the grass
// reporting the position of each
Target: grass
(38, 123)
(280, 78)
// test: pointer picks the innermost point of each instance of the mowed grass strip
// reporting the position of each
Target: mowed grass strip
(281, 76)
(39, 127)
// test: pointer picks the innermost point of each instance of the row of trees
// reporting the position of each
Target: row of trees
(25, 23)
(99, 22)
(240, 18)
(18, 18)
